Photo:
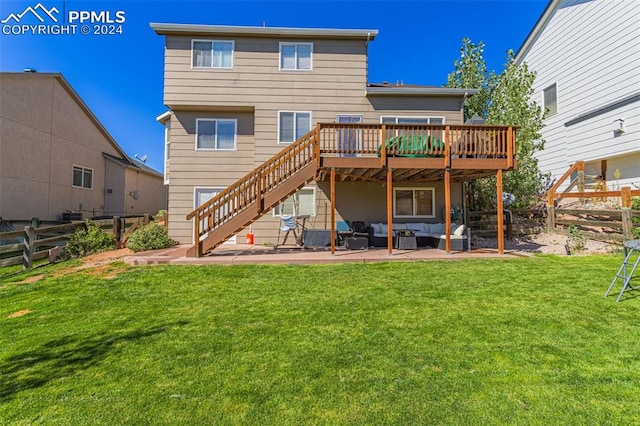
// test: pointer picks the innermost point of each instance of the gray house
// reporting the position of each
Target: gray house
(56, 157)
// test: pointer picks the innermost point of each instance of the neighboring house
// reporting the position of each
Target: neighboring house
(586, 54)
(56, 157)
(240, 95)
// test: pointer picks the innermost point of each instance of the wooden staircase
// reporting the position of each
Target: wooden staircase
(251, 196)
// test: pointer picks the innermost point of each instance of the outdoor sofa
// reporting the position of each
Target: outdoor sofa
(427, 234)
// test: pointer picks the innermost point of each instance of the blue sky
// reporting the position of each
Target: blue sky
(120, 76)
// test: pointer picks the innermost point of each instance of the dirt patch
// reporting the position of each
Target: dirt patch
(33, 279)
(19, 313)
(106, 271)
(545, 244)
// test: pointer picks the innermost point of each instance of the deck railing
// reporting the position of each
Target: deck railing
(348, 140)
(416, 140)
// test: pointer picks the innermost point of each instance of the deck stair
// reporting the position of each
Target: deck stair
(250, 197)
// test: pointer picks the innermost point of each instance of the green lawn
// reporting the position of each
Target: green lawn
(477, 342)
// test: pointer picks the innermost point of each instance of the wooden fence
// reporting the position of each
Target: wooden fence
(517, 222)
(36, 242)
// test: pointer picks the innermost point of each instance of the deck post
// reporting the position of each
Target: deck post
(333, 211)
(627, 224)
(390, 211)
(383, 147)
(447, 208)
(500, 208)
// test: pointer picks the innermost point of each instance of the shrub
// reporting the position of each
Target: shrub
(150, 237)
(576, 240)
(89, 240)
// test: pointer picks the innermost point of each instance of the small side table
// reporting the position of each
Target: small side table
(406, 240)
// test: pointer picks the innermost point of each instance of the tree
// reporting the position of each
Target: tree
(503, 99)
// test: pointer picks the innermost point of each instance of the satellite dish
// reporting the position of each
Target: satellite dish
(142, 159)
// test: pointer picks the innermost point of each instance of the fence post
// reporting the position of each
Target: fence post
(551, 212)
(627, 224)
(116, 230)
(27, 251)
(146, 219)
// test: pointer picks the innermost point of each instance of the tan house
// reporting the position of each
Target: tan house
(57, 161)
(266, 121)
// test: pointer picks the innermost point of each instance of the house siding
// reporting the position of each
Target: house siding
(253, 92)
(44, 132)
(590, 50)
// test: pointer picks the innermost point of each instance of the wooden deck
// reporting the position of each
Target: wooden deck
(358, 152)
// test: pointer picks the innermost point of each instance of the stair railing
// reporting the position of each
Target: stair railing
(253, 187)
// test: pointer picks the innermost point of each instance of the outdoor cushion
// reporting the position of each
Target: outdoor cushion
(399, 226)
(459, 231)
(377, 228)
(436, 228)
(418, 227)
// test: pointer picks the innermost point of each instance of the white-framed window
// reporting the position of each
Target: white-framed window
(82, 177)
(296, 56)
(414, 202)
(212, 53)
(200, 196)
(393, 119)
(292, 125)
(216, 134)
(302, 202)
(550, 99)
(167, 149)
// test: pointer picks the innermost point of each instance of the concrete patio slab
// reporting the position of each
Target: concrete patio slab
(235, 254)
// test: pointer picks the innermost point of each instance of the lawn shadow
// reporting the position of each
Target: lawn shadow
(64, 357)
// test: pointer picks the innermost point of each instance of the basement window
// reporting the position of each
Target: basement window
(302, 202)
(414, 202)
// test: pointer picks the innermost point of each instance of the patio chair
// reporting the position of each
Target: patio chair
(344, 230)
(288, 224)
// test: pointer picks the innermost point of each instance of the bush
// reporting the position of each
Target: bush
(89, 240)
(576, 240)
(150, 237)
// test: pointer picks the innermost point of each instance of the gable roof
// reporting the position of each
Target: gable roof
(227, 30)
(83, 106)
(542, 22)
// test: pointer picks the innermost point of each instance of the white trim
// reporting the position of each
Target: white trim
(235, 134)
(212, 41)
(414, 188)
(167, 151)
(427, 117)
(294, 125)
(168, 28)
(313, 188)
(295, 43)
(73, 166)
(163, 117)
(231, 240)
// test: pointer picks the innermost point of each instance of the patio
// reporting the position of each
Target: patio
(228, 254)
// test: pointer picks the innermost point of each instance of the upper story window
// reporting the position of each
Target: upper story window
(216, 134)
(411, 120)
(82, 177)
(292, 125)
(212, 54)
(551, 100)
(296, 56)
